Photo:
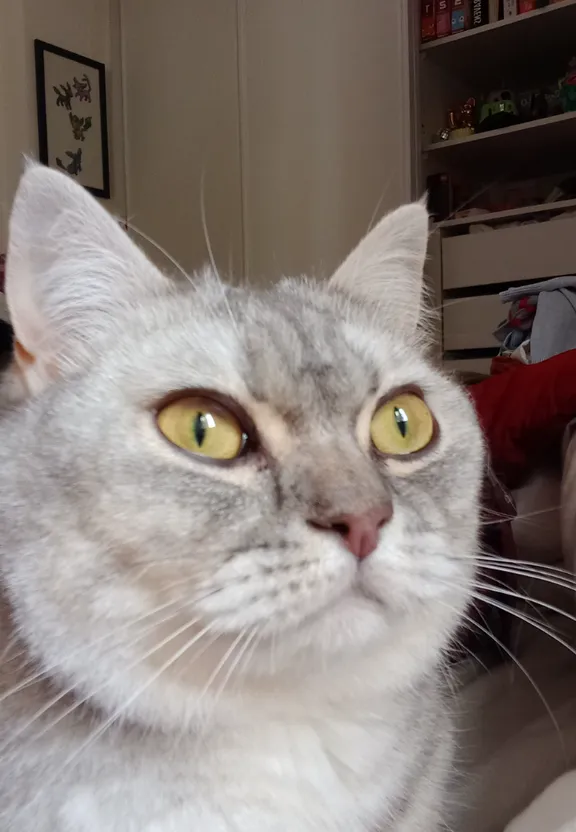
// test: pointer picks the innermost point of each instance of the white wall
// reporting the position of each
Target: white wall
(293, 113)
(182, 128)
(326, 127)
(296, 111)
(89, 27)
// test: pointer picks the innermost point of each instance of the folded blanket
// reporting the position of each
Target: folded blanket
(524, 413)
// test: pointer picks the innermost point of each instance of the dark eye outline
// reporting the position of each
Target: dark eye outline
(250, 440)
(411, 390)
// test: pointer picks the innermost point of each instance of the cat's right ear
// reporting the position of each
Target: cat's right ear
(386, 269)
(70, 271)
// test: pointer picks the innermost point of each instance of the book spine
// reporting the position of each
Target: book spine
(510, 8)
(460, 15)
(428, 20)
(526, 6)
(443, 18)
(480, 13)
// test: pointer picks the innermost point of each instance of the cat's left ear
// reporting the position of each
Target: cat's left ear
(386, 269)
(71, 271)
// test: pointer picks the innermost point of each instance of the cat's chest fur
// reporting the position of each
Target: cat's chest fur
(340, 771)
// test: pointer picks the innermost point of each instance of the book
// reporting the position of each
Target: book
(428, 20)
(480, 13)
(510, 8)
(460, 15)
(443, 18)
(527, 6)
(494, 10)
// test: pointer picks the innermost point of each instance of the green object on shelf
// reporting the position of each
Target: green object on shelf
(499, 110)
(568, 89)
(568, 96)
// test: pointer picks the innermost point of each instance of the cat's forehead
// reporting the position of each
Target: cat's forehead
(300, 353)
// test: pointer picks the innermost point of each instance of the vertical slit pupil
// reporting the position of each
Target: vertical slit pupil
(401, 420)
(199, 429)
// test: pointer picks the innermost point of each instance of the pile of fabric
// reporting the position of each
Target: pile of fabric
(541, 320)
(527, 408)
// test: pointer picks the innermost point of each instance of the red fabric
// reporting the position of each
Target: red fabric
(524, 411)
(503, 363)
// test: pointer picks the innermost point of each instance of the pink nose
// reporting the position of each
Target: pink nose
(360, 532)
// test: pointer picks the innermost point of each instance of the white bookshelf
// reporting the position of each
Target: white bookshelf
(523, 25)
(516, 43)
(516, 53)
(524, 213)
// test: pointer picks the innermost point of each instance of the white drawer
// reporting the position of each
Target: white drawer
(525, 252)
(469, 365)
(470, 322)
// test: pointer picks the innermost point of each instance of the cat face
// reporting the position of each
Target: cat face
(204, 481)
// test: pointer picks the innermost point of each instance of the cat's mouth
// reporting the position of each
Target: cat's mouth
(359, 588)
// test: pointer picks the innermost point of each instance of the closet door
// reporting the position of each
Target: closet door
(14, 114)
(182, 127)
(326, 133)
(294, 115)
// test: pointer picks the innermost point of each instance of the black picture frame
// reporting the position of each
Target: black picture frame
(97, 179)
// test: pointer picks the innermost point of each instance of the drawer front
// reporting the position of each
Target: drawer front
(470, 322)
(469, 365)
(526, 252)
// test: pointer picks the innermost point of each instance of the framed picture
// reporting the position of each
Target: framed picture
(72, 121)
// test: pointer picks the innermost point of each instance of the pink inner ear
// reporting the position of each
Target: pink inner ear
(23, 354)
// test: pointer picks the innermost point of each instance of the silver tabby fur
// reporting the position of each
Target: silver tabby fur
(182, 651)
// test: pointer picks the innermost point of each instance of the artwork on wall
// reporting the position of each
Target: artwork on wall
(72, 122)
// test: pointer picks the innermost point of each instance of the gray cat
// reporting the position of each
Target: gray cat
(237, 537)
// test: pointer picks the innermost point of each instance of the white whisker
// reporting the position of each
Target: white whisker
(518, 518)
(250, 639)
(213, 259)
(79, 702)
(72, 758)
(521, 667)
(220, 665)
(553, 580)
(159, 248)
(486, 587)
(45, 672)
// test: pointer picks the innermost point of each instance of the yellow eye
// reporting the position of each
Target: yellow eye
(403, 425)
(201, 426)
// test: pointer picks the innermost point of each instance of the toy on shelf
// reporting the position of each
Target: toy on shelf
(568, 88)
(499, 110)
(460, 122)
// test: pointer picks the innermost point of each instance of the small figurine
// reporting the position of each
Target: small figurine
(442, 135)
(467, 113)
(461, 120)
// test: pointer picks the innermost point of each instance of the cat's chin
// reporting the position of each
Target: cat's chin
(356, 639)
(359, 622)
